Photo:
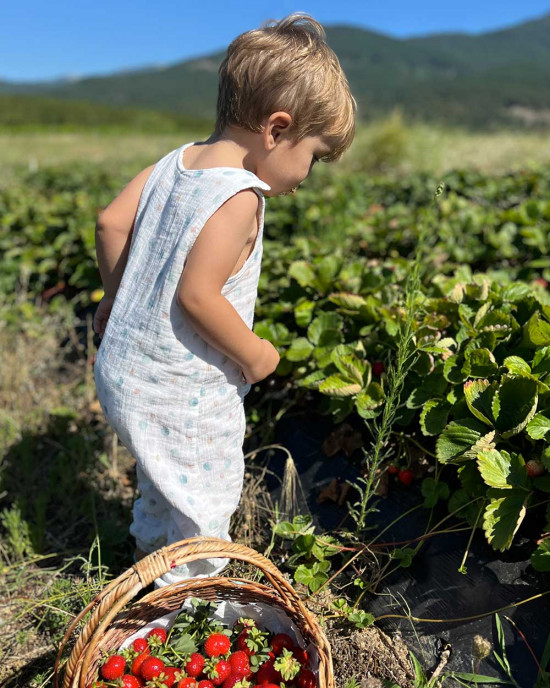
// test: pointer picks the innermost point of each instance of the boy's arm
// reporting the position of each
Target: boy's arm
(208, 266)
(113, 232)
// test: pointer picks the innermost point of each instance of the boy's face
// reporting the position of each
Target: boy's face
(289, 163)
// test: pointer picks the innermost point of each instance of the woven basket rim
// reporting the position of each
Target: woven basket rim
(117, 595)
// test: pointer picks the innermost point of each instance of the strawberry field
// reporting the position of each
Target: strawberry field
(412, 316)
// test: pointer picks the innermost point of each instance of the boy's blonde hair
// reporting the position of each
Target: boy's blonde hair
(287, 66)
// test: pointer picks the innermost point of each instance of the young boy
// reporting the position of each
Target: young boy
(179, 254)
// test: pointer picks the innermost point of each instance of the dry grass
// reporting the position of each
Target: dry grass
(388, 144)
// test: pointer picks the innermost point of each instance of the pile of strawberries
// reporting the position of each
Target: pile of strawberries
(199, 652)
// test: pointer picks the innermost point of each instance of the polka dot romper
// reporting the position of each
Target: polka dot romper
(174, 401)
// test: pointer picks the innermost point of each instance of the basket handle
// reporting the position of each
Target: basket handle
(121, 590)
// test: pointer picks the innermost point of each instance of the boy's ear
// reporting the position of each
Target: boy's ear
(278, 125)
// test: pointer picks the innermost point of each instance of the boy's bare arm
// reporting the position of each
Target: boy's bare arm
(113, 232)
(207, 268)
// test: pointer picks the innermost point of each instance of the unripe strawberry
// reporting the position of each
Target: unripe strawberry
(405, 476)
(534, 468)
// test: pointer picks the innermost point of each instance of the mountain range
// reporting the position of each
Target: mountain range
(494, 78)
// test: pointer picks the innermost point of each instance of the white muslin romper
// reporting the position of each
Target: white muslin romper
(174, 401)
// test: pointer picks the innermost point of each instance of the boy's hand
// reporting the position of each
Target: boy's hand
(102, 315)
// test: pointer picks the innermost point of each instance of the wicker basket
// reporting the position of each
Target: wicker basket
(110, 624)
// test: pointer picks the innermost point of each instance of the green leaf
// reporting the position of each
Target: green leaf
(514, 404)
(299, 350)
(502, 518)
(480, 363)
(304, 544)
(302, 272)
(502, 470)
(327, 269)
(347, 300)
(303, 312)
(369, 399)
(351, 367)
(538, 428)
(479, 396)
(537, 331)
(313, 576)
(337, 386)
(404, 555)
(327, 321)
(184, 644)
(312, 380)
(517, 365)
(540, 558)
(457, 440)
(361, 619)
(434, 415)
(434, 490)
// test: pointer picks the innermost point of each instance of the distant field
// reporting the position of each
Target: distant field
(386, 146)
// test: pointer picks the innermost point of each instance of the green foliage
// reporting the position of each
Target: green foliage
(337, 260)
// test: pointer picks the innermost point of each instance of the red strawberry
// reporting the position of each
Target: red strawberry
(541, 281)
(129, 681)
(168, 676)
(534, 468)
(405, 476)
(138, 661)
(393, 469)
(268, 674)
(189, 682)
(378, 368)
(240, 664)
(306, 679)
(280, 641)
(217, 644)
(98, 684)
(206, 684)
(195, 665)
(140, 645)
(220, 672)
(158, 632)
(113, 667)
(151, 667)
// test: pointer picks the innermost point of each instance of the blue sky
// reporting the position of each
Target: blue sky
(46, 40)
